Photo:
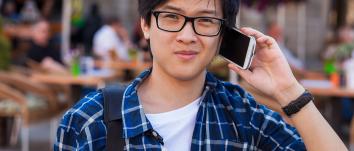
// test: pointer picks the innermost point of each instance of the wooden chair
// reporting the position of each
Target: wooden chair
(8, 93)
(12, 105)
(38, 102)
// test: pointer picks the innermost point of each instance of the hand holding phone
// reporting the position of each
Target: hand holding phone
(237, 47)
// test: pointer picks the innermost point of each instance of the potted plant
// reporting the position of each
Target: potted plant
(5, 50)
(334, 59)
(5, 56)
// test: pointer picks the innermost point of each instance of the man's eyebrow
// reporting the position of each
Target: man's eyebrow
(208, 12)
(204, 12)
(170, 7)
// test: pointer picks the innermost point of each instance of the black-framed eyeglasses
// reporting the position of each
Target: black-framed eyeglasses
(174, 22)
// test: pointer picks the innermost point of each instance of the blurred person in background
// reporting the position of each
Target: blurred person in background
(338, 52)
(140, 42)
(30, 12)
(111, 41)
(275, 31)
(43, 51)
(9, 13)
(297, 65)
(342, 47)
(138, 37)
(93, 22)
(46, 7)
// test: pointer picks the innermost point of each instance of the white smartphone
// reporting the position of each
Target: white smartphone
(237, 47)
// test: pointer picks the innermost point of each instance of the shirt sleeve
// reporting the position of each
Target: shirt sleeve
(91, 138)
(270, 132)
(82, 127)
(66, 139)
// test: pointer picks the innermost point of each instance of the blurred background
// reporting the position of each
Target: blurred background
(53, 52)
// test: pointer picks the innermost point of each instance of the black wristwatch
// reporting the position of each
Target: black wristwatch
(295, 106)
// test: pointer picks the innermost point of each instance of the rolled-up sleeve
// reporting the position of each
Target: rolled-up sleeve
(270, 132)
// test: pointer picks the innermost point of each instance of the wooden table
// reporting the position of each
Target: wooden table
(128, 70)
(332, 91)
(336, 93)
(76, 83)
(94, 79)
(118, 65)
(67, 79)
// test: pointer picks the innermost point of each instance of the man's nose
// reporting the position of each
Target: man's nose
(187, 34)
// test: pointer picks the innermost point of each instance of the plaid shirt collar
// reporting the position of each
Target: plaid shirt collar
(134, 119)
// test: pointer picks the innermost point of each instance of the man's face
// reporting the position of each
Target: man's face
(183, 55)
(41, 32)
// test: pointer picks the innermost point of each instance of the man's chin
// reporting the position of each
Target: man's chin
(186, 76)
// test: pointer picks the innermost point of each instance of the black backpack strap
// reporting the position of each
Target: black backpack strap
(113, 96)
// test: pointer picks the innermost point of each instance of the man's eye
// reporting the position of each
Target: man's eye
(171, 16)
(207, 20)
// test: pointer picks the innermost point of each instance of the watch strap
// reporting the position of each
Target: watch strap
(296, 105)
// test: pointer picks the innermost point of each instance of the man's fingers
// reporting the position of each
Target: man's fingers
(252, 32)
(262, 39)
(245, 74)
(266, 41)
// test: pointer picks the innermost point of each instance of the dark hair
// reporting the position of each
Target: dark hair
(94, 9)
(40, 20)
(110, 20)
(230, 9)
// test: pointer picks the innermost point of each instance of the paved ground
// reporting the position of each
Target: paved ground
(39, 138)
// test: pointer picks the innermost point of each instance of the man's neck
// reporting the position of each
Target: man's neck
(161, 92)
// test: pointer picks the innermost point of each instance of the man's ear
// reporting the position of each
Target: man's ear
(145, 28)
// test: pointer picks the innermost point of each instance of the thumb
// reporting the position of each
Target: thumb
(245, 74)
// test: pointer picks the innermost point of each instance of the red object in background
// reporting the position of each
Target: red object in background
(335, 79)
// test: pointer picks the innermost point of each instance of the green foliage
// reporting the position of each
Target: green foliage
(330, 67)
(335, 57)
(344, 52)
(5, 53)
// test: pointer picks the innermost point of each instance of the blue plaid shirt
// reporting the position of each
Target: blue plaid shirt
(228, 119)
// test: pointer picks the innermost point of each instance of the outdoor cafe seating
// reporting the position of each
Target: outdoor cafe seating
(28, 102)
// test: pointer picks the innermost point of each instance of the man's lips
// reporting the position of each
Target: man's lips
(186, 55)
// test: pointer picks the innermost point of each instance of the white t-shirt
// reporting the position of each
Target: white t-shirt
(106, 39)
(176, 127)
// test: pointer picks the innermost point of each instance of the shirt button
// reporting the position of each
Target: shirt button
(154, 133)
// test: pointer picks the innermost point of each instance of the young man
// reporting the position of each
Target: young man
(186, 105)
